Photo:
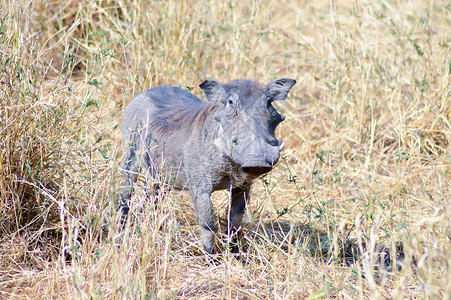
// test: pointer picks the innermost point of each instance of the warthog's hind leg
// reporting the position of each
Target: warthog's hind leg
(130, 169)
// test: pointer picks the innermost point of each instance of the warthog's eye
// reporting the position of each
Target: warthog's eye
(232, 100)
(274, 142)
(274, 116)
(230, 109)
(271, 110)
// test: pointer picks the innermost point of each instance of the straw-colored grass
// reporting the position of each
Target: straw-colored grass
(358, 207)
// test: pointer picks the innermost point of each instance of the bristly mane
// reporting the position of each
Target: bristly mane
(178, 110)
(245, 87)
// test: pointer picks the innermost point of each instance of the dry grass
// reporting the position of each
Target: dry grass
(359, 206)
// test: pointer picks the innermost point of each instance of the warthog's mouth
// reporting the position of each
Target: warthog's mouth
(256, 170)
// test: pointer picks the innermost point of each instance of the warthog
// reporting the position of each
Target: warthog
(223, 143)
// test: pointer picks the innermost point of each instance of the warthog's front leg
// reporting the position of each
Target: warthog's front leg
(206, 221)
(238, 206)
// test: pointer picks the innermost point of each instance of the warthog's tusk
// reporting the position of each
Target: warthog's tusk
(281, 145)
(230, 146)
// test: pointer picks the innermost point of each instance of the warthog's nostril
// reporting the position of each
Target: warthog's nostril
(260, 170)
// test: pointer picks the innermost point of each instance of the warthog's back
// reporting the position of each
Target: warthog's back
(164, 110)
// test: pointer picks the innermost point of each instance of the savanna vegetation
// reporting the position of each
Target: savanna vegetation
(358, 207)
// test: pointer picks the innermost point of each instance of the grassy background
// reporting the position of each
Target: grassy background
(358, 207)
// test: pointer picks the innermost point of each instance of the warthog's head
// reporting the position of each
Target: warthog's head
(248, 121)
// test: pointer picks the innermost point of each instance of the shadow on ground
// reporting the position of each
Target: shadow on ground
(331, 249)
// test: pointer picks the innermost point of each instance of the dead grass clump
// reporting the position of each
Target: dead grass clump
(32, 146)
(40, 150)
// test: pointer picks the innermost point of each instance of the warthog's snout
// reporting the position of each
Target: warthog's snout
(257, 167)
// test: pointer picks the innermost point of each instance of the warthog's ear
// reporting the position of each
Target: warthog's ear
(279, 89)
(214, 90)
